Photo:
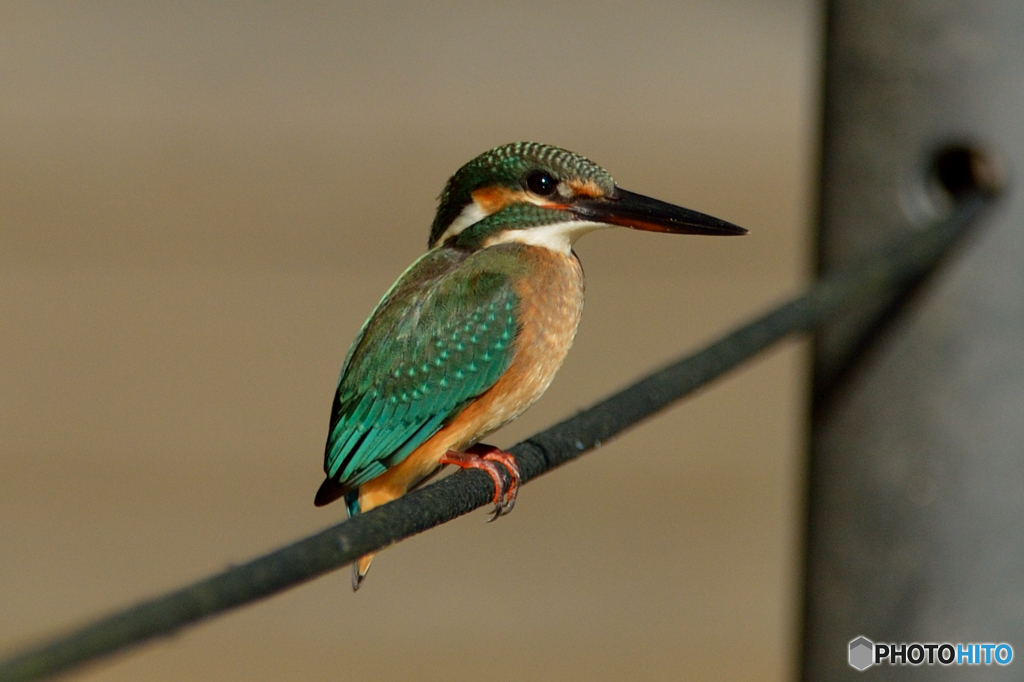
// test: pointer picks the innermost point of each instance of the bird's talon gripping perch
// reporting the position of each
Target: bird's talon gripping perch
(484, 457)
(507, 460)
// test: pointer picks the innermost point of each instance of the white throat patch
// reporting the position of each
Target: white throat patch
(557, 236)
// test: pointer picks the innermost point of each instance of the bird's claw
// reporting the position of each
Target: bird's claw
(505, 499)
(487, 458)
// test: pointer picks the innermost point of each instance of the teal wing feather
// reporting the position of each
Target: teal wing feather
(441, 337)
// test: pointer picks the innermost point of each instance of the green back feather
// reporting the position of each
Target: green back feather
(441, 336)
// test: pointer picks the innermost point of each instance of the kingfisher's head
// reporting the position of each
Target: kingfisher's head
(543, 195)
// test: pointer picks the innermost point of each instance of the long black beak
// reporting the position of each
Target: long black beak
(643, 213)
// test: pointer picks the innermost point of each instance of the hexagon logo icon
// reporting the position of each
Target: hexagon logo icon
(862, 653)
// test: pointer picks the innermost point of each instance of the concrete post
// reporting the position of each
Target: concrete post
(916, 506)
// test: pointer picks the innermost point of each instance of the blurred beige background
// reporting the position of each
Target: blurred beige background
(200, 203)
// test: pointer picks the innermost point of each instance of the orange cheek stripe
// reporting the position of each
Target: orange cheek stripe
(493, 199)
(490, 200)
(587, 189)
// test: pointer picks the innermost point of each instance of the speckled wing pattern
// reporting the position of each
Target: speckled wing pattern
(441, 336)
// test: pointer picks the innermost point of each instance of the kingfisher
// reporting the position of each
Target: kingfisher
(473, 331)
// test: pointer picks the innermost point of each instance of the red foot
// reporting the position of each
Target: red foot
(484, 457)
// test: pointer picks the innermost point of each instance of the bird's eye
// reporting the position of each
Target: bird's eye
(541, 183)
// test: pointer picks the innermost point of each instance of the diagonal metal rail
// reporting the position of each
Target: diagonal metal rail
(891, 270)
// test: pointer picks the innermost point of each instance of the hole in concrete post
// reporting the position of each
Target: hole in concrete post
(952, 173)
(962, 170)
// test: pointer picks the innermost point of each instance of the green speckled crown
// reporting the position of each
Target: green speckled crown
(508, 166)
